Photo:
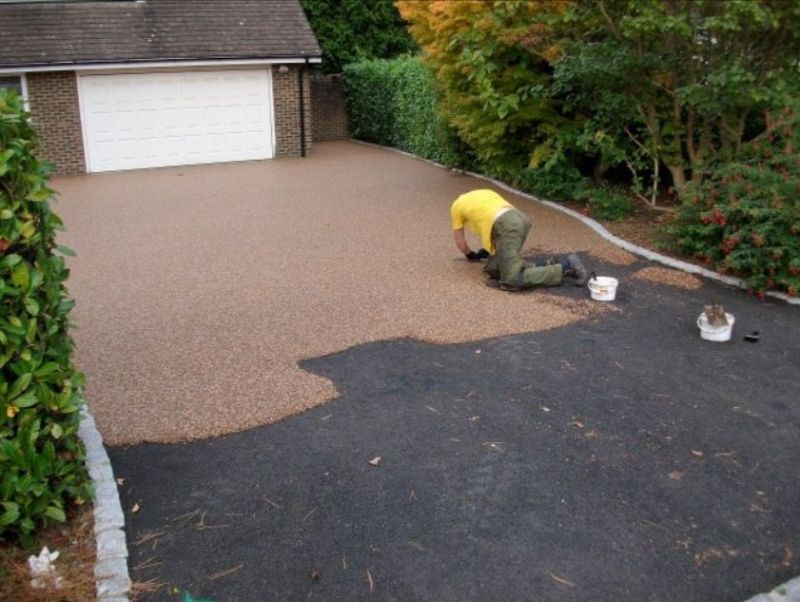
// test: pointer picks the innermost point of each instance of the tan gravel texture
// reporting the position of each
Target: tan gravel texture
(200, 288)
(669, 277)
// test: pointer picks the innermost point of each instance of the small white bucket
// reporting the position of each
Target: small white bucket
(603, 288)
(715, 333)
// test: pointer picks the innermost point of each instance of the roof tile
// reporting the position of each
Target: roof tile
(119, 31)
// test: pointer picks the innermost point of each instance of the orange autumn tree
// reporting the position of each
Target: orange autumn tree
(491, 60)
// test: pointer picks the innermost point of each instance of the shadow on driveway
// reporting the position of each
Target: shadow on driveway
(618, 458)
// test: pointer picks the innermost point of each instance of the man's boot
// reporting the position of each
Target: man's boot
(576, 270)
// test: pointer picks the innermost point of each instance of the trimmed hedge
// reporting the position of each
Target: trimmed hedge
(42, 469)
(393, 103)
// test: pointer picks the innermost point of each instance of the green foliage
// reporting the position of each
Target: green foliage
(745, 218)
(676, 81)
(41, 458)
(608, 202)
(557, 181)
(394, 102)
(354, 30)
(493, 86)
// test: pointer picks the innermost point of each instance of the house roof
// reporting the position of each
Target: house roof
(40, 34)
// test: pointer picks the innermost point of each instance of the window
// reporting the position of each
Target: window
(13, 82)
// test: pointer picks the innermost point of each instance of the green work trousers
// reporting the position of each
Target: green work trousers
(508, 234)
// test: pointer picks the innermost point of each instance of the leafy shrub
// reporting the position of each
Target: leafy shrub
(41, 458)
(394, 103)
(559, 181)
(745, 218)
(608, 202)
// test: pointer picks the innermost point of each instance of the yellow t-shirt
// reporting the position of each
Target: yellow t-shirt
(476, 210)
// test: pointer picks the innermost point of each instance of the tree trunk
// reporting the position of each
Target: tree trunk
(599, 171)
(678, 177)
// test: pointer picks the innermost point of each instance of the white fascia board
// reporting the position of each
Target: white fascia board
(159, 65)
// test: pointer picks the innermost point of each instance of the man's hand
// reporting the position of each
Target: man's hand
(477, 255)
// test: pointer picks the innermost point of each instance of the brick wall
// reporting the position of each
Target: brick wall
(285, 90)
(53, 100)
(327, 107)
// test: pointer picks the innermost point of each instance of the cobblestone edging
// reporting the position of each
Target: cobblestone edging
(624, 244)
(111, 568)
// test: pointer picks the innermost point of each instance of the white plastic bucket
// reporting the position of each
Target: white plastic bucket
(715, 333)
(603, 288)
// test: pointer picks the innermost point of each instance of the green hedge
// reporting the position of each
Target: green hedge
(393, 102)
(42, 469)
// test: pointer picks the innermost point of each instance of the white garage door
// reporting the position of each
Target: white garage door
(157, 119)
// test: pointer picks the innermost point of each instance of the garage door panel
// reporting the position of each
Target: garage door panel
(157, 119)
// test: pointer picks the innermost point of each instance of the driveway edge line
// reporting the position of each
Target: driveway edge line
(112, 580)
(599, 229)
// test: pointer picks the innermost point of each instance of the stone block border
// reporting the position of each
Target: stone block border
(111, 568)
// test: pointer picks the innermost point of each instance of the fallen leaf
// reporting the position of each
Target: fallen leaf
(576, 424)
(315, 575)
(561, 580)
(474, 418)
(135, 508)
(788, 557)
(120, 481)
(544, 409)
(697, 453)
(704, 557)
(375, 461)
(593, 434)
(676, 475)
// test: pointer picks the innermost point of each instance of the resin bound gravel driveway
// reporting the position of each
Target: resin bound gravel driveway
(199, 289)
(536, 446)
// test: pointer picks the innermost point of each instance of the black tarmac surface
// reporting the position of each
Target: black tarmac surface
(619, 458)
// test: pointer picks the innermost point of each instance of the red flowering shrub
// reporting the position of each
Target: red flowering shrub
(744, 219)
